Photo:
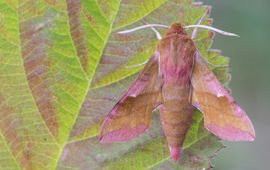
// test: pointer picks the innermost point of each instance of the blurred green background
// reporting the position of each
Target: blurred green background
(250, 68)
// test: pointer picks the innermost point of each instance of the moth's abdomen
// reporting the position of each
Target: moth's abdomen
(175, 116)
(176, 124)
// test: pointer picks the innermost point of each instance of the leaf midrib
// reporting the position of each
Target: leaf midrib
(85, 95)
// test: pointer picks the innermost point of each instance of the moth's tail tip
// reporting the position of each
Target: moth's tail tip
(175, 152)
(101, 140)
(105, 139)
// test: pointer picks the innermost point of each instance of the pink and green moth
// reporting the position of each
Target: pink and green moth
(176, 80)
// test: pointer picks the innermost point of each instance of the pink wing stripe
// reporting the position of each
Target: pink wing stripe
(228, 132)
(134, 90)
(123, 134)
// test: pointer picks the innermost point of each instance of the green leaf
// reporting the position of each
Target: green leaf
(63, 67)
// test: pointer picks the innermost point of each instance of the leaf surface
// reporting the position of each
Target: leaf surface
(63, 67)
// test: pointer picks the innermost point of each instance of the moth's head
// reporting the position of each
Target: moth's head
(176, 28)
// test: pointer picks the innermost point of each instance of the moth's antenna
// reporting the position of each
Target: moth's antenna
(157, 33)
(213, 29)
(141, 27)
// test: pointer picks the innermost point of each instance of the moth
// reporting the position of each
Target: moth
(176, 80)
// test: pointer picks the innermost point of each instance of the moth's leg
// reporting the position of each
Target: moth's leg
(193, 36)
(158, 36)
(157, 108)
(157, 33)
(157, 53)
(138, 65)
(195, 31)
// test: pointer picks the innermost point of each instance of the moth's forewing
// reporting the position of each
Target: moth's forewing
(132, 115)
(222, 115)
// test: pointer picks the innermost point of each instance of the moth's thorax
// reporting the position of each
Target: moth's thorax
(176, 51)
